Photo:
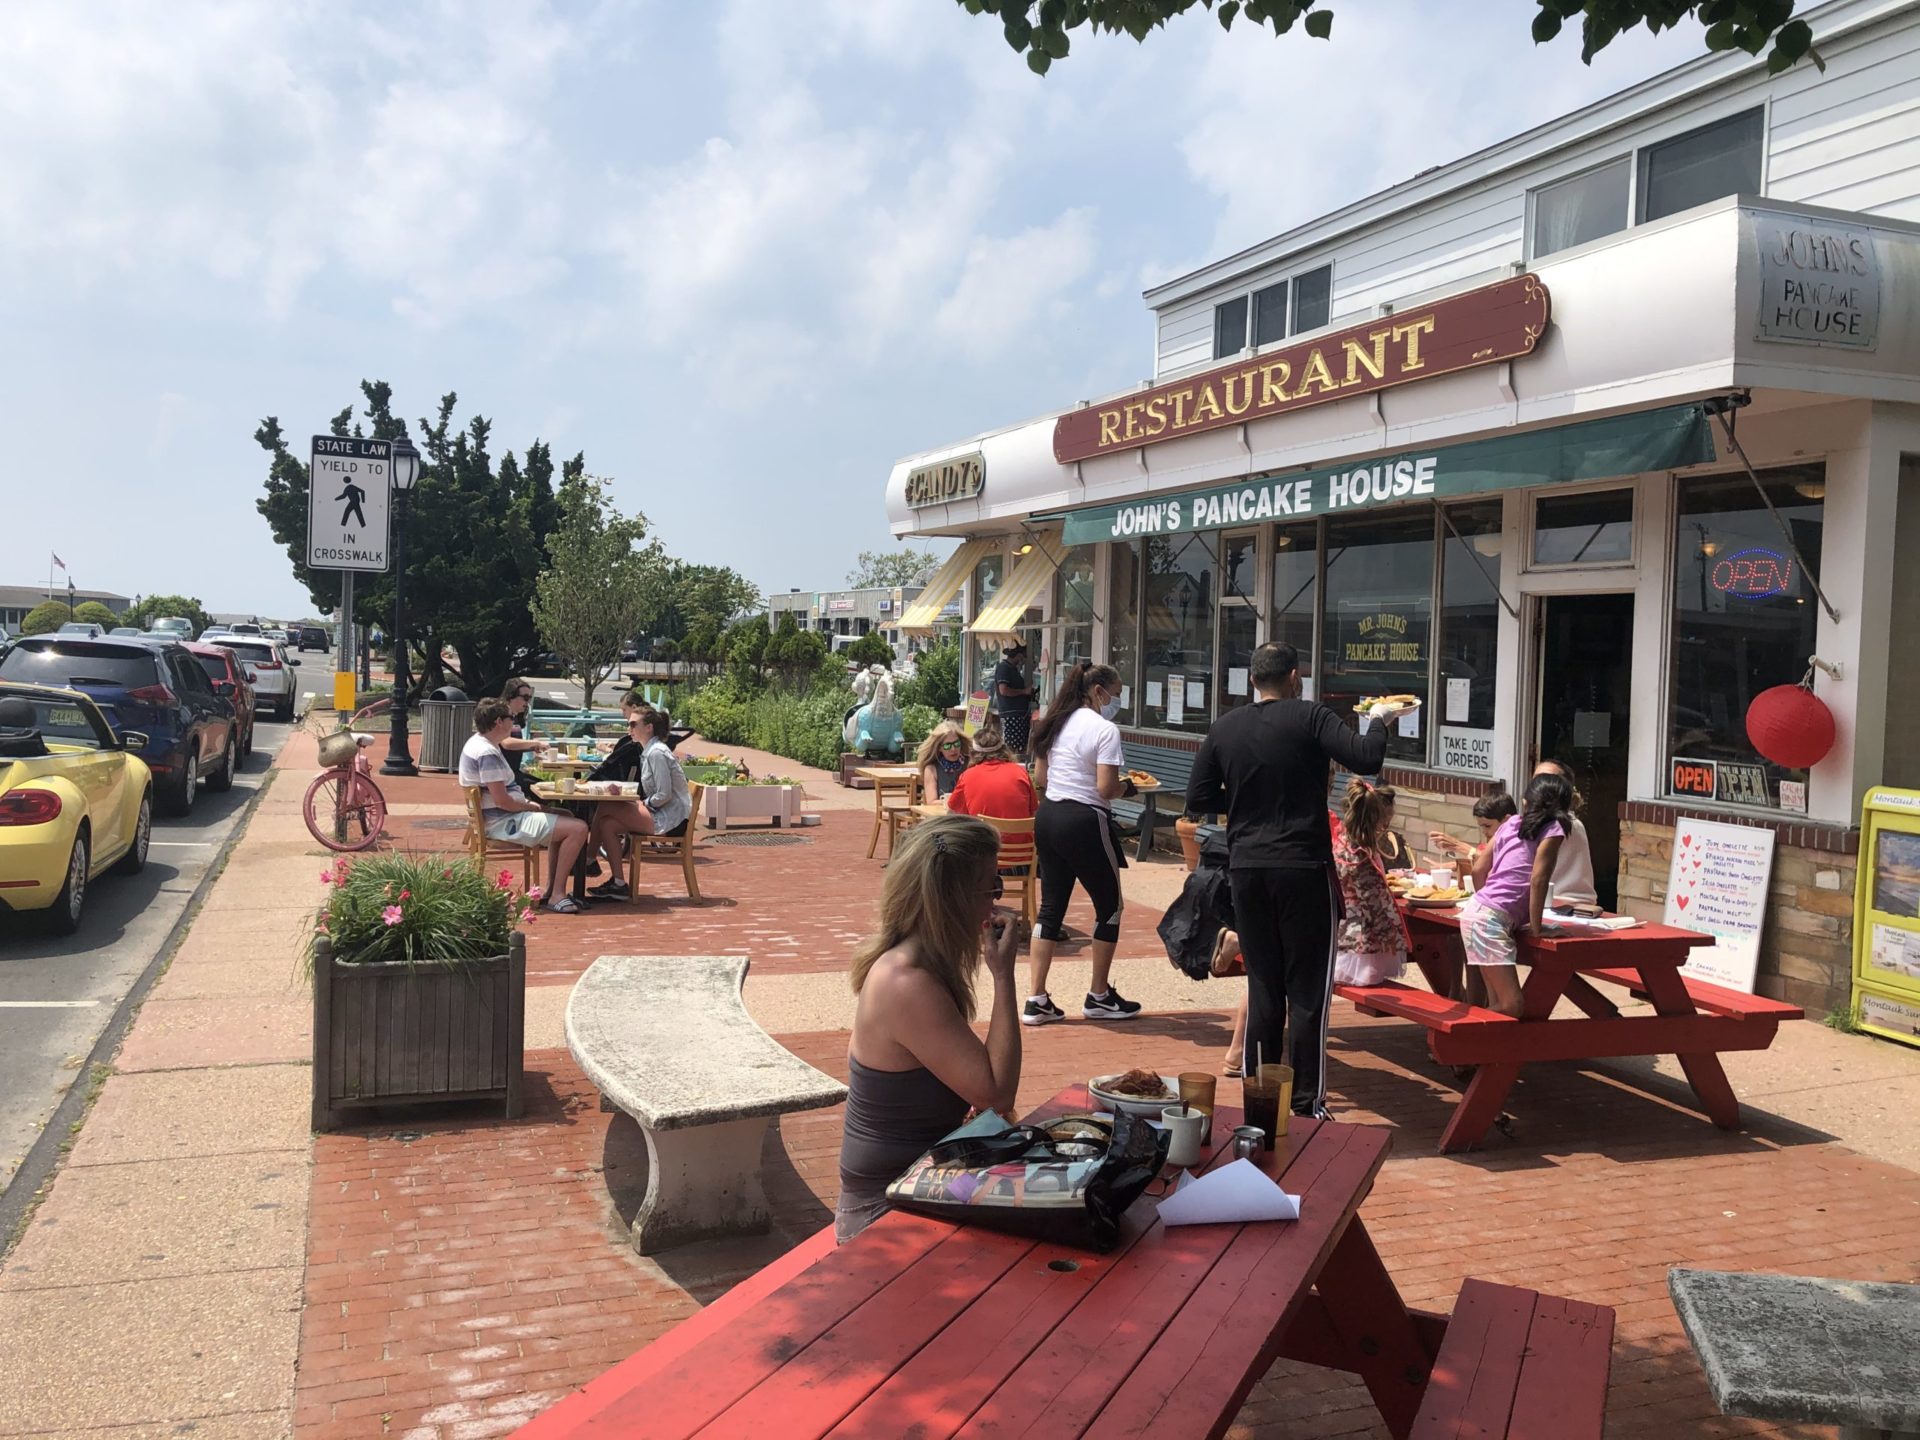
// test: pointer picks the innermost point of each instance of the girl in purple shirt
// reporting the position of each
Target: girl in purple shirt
(1510, 879)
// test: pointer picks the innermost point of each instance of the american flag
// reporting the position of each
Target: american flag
(58, 561)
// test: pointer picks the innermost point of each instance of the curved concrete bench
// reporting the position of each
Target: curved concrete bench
(667, 1039)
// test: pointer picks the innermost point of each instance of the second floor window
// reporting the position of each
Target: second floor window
(1273, 312)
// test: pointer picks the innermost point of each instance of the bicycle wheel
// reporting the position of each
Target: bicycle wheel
(344, 810)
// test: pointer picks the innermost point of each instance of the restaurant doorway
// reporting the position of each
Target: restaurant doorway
(1585, 669)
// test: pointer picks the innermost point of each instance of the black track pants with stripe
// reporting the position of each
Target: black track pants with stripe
(1286, 924)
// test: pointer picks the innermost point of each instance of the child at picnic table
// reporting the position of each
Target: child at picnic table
(1371, 942)
(1488, 812)
(1511, 875)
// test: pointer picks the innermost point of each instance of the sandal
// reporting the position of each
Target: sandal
(1220, 965)
(1231, 1070)
(565, 905)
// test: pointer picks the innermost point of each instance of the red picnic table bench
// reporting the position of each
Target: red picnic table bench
(1692, 1020)
(923, 1328)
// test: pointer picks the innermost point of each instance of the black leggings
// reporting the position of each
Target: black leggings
(1072, 842)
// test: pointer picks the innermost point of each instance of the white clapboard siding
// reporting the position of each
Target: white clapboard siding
(1848, 138)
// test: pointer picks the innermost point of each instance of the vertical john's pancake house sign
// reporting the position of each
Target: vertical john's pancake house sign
(1482, 327)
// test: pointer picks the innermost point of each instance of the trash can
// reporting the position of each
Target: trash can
(446, 720)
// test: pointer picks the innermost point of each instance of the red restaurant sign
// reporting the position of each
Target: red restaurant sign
(1481, 327)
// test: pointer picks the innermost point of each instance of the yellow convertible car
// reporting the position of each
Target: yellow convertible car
(76, 799)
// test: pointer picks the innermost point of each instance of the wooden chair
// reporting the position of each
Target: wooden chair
(1016, 854)
(669, 847)
(481, 849)
(894, 797)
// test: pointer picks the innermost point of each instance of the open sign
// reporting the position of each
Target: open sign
(1753, 574)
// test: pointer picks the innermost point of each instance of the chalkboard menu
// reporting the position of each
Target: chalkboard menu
(1717, 885)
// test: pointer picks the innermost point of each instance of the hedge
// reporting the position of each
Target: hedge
(805, 727)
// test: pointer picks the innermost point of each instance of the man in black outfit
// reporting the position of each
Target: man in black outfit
(1265, 764)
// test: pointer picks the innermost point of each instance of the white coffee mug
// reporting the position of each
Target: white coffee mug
(566, 783)
(1187, 1127)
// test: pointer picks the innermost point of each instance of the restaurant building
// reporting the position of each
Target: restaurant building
(1586, 439)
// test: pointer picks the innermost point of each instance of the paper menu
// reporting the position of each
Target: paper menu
(1236, 681)
(1232, 1194)
(1409, 724)
(1459, 700)
(1176, 699)
(1153, 694)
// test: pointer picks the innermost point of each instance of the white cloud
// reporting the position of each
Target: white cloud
(1010, 287)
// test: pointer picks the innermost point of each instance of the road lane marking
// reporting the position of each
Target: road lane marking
(47, 1004)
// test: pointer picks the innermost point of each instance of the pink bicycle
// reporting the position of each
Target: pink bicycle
(344, 809)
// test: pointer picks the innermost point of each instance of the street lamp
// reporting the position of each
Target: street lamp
(406, 469)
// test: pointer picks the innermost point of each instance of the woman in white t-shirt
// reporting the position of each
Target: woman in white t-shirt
(1079, 770)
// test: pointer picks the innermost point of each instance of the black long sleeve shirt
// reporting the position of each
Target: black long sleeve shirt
(1265, 764)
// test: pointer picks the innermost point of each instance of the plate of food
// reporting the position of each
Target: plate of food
(1134, 1092)
(1369, 703)
(1433, 897)
(1142, 780)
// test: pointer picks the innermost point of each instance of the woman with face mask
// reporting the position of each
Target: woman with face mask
(1080, 770)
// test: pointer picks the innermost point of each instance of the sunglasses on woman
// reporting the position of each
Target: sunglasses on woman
(949, 744)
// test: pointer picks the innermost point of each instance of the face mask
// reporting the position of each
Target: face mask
(1110, 709)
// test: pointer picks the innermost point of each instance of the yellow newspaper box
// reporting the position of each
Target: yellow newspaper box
(1886, 916)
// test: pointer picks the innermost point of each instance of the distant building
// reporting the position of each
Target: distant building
(17, 600)
(845, 615)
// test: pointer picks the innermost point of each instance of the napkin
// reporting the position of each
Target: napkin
(1233, 1193)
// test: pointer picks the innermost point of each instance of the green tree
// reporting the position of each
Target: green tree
(795, 655)
(745, 646)
(884, 569)
(156, 607)
(936, 677)
(1039, 29)
(93, 612)
(476, 538)
(597, 591)
(870, 649)
(47, 616)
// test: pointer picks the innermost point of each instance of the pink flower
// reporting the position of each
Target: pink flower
(504, 879)
(391, 914)
(406, 894)
(527, 917)
(326, 877)
(535, 893)
(446, 874)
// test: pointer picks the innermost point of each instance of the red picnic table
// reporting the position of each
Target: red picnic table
(1692, 1020)
(924, 1328)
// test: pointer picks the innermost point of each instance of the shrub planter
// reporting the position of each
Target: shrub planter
(405, 1034)
(753, 804)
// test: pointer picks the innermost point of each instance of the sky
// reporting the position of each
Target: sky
(744, 254)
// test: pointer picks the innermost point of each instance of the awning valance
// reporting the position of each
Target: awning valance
(1663, 439)
(1031, 572)
(945, 584)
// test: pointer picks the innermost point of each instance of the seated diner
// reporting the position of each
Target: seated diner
(665, 803)
(944, 754)
(505, 810)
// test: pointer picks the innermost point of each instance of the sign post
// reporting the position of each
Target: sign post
(349, 493)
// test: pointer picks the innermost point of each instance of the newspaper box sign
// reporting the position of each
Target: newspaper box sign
(1717, 885)
(348, 488)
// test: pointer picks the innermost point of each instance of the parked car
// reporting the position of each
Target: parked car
(81, 627)
(278, 636)
(245, 627)
(232, 680)
(153, 687)
(133, 630)
(311, 637)
(175, 625)
(75, 801)
(272, 672)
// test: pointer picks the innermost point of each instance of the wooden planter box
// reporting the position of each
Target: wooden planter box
(849, 763)
(403, 1034)
(752, 805)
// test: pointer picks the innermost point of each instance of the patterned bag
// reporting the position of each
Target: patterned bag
(1067, 1180)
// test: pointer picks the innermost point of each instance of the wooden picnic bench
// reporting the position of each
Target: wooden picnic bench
(666, 1039)
(1692, 1020)
(920, 1327)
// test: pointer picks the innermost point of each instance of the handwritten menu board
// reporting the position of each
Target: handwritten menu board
(1717, 884)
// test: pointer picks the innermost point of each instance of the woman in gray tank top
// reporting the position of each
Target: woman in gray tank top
(915, 1066)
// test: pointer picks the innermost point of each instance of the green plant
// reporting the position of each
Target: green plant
(1841, 1019)
(156, 607)
(92, 612)
(936, 677)
(870, 649)
(48, 615)
(418, 909)
(917, 722)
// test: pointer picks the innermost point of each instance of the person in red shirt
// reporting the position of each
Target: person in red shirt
(995, 783)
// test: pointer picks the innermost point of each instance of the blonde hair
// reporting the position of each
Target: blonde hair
(930, 747)
(932, 896)
(1368, 808)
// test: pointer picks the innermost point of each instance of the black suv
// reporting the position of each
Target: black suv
(150, 685)
(309, 637)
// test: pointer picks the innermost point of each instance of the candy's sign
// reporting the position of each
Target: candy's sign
(1481, 327)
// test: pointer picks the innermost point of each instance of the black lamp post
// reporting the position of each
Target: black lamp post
(70, 598)
(406, 469)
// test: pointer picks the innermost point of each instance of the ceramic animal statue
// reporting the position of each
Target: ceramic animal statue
(876, 726)
(863, 687)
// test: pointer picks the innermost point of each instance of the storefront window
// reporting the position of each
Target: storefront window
(1178, 651)
(1123, 625)
(1296, 576)
(1591, 528)
(1073, 609)
(986, 649)
(1469, 628)
(1745, 620)
(1378, 620)
(1239, 621)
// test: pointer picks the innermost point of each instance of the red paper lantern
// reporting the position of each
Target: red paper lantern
(1790, 726)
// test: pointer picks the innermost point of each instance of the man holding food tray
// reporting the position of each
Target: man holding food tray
(1266, 765)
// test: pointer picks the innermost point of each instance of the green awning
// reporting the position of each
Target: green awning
(1589, 450)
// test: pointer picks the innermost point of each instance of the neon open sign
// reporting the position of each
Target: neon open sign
(1753, 574)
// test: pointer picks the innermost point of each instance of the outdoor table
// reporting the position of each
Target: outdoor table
(577, 804)
(920, 1327)
(583, 766)
(932, 812)
(1692, 1020)
(1792, 1347)
(887, 772)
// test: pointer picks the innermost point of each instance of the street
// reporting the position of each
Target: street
(58, 994)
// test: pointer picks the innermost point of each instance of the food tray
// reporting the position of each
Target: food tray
(1431, 904)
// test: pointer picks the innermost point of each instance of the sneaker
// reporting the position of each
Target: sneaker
(1319, 1112)
(1111, 1006)
(1041, 1011)
(615, 889)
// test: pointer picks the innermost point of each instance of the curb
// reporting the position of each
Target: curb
(42, 1162)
